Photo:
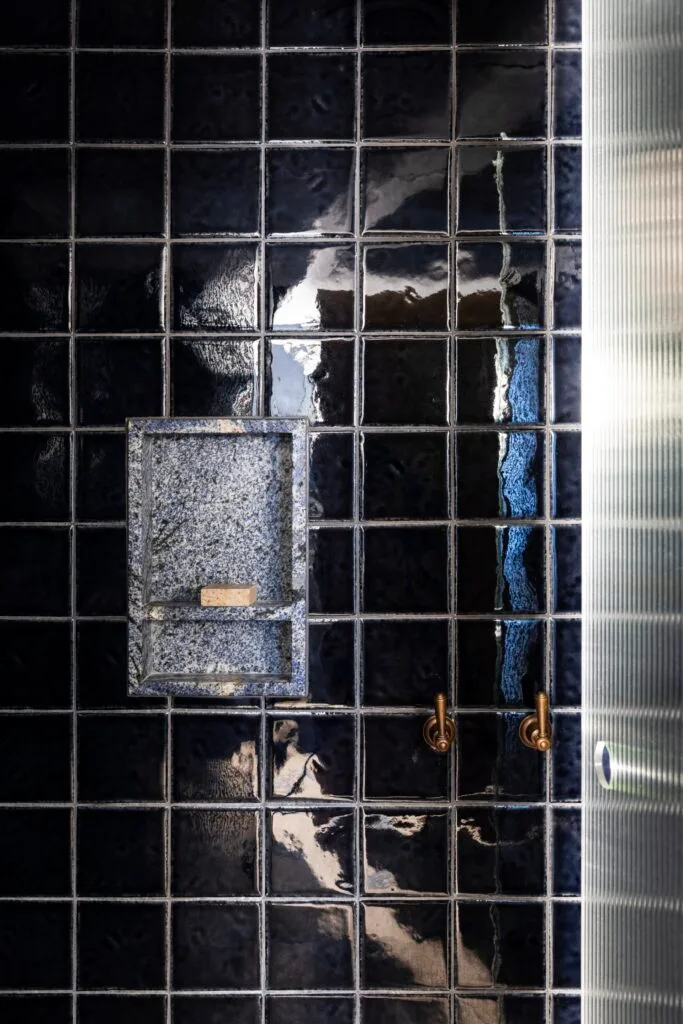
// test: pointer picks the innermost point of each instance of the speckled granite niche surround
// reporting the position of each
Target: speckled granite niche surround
(217, 501)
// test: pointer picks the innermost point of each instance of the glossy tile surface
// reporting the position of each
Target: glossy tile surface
(35, 852)
(488, 22)
(121, 853)
(501, 190)
(501, 569)
(118, 377)
(500, 475)
(311, 96)
(35, 390)
(310, 288)
(501, 851)
(36, 98)
(215, 287)
(119, 97)
(311, 946)
(500, 380)
(312, 758)
(404, 945)
(119, 288)
(405, 570)
(37, 478)
(311, 852)
(406, 288)
(215, 98)
(215, 946)
(500, 662)
(499, 944)
(404, 663)
(417, 776)
(215, 192)
(121, 192)
(311, 378)
(501, 93)
(321, 23)
(404, 476)
(310, 191)
(501, 286)
(405, 853)
(395, 103)
(120, 945)
(405, 382)
(212, 377)
(34, 288)
(35, 197)
(405, 189)
(493, 764)
(330, 476)
(215, 853)
(215, 761)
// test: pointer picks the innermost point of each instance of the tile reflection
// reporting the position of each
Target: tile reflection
(501, 851)
(311, 378)
(501, 190)
(310, 191)
(405, 945)
(499, 663)
(310, 946)
(500, 475)
(313, 758)
(311, 852)
(500, 569)
(501, 285)
(406, 286)
(501, 94)
(406, 853)
(405, 189)
(404, 1010)
(493, 764)
(501, 1010)
(499, 944)
(500, 380)
(310, 288)
(215, 287)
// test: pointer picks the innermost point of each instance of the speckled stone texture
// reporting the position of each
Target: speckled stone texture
(217, 501)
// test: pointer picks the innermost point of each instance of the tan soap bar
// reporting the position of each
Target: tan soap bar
(226, 596)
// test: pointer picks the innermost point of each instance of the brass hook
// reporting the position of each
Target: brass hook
(535, 731)
(439, 729)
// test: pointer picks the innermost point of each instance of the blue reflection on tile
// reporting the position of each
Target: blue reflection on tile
(567, 852)
(567, 1010)
(515, 646)
(567, 945)
(500, 380)
(567, 299)
(568, 21)
(567, 569)
(517, 485)
(567, 374)
(500, 569)
(512, 573)
(499, 662)
(311, 378)
(567, 67)
(499, 475)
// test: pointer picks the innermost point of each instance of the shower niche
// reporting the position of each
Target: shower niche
(217, 557)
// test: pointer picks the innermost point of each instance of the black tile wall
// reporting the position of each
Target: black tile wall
(368, 213)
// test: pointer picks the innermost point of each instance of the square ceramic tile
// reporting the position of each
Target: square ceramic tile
(310, 946)
(567, 479)
(500, 569)
(567, 188)
(501, 663)
(214, 759)
(101, 477)
(42, 23)
(567, 93)
(404, 476)
(117, 378)
(405, 189)
(567, 757)
(125, 23)
(311, 852)
(215, 946)
(567, 380)
(37, 946)
(501, 851)
(101, 571)
(121, 945)
(121, 853)
(312, 758)
(567, 294)
(567, 662)
(330, 476)
(396, 23)
(37, 478)
(321, 23)
(500, 944)
(405, 569)
(405, 945)
(215, 287)
(118, 288)
(35, 196)
(501, 285)
(34, 288)
(121, 759)
(35, 567)
(214, 853)
(35, 88)
(311, 96)
(35, 855)
(214, 23)
(418, 775)
(215, 192)
(405, 382)
(484, 76)
(102, 668)
(567, 945)
(566, 852)
(566, 542)
(36, 665)
(487, 22)
(395, 103)
(406, 288)
(216, 98)
(119, 97)
(493, 764)
(213, 377)
(27, 359)
(500, 475)
(568, 21)
(500, 380)
(405, 853)
(310, 191)
(311, 378)
(310, 288)
(331, 663)
(120, 192)
(404, 663)
(502, 190)
(331, 571)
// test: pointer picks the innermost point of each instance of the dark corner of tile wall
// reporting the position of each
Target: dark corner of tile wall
(367, 213)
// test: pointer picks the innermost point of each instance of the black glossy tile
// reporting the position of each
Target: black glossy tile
(310, 946)
(567, 380)
(34, 389)
(405, 853)
(310, 853)
(404, 476)
(508, 1009)
(493, 764)
(312, 757)
(501, 93)
(35, 946)
(311, 378)
(501, 663)
(404, 663)
(119, 192)
(34, 287)
(404, 1010)
(40, 23)
(501, 190)
(35, 665)
(35, 193)
(121, 945)
(215, 759)
(331, 663)
(395, 103)
(567, 93)
(216, 98)
(101, 571)
(500, 380)
(119, 97)
(112, 1009)
(396, 23)
(310, 288)
(567, 478)
(36, 478)
(405, 189)
(488, 22)
(322, 1009)
(321, 23)
(566, 852)
(120, 853)
(310, 191)
(123, 23)
(330, 476)
(215, 946)
(567, 757)
(34, 565)
(567, 188)
(215, 287)
(567, 945)
(216, 23)
(213, 377)
(416, 775)
(500, 569)
(119, 288)
(567, 1009)
(567, 574)
(35, 852)
(501, 285)
(101, 477)
(215, 1010)
(568, 21)
(406, 288)
(214, 853)
(500, 475)
(404, 945)
(501, 851)
(405, 382)
(43, 1009)
(500, 944)
(35, 758)
(102, 668)
(215, 192)
(405, 570)
(121, 758)
(567, 295)
(311, 96)
(567, 663)
(35, 91)
(330, 571)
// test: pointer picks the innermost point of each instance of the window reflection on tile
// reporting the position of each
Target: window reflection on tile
(310, 946)
(499, 944)
(405, 945)
(501, 851)
(416, 775)
(501, 94)
(213, 377)
(311, 852)
(500, 380)
(568, 21)
(405, 382)
(406, 287)
(567, 188)
(312, 758)
(493, 764)
(311, 378)
(500, 569)
(500, 663)
(567, 380)
(567, 481)
(322, 1010)
(501, 285)
(404, 663)
(567, 666)
(500, 1010)
(405, 853)
(404, 1010)
(567, 298)
(567, 578)
(215, 287)
(500, 475)
(311, 288)
(405, 189)
(396, 104)
(501, 190)
(566, 852)
(310, 191)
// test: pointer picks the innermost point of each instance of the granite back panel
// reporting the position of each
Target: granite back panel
(367, 214)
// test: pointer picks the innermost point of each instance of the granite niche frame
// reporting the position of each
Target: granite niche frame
(217, 501)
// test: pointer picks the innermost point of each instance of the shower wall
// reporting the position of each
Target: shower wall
(368, 215)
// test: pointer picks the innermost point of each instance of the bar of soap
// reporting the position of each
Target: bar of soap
(221, 595)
